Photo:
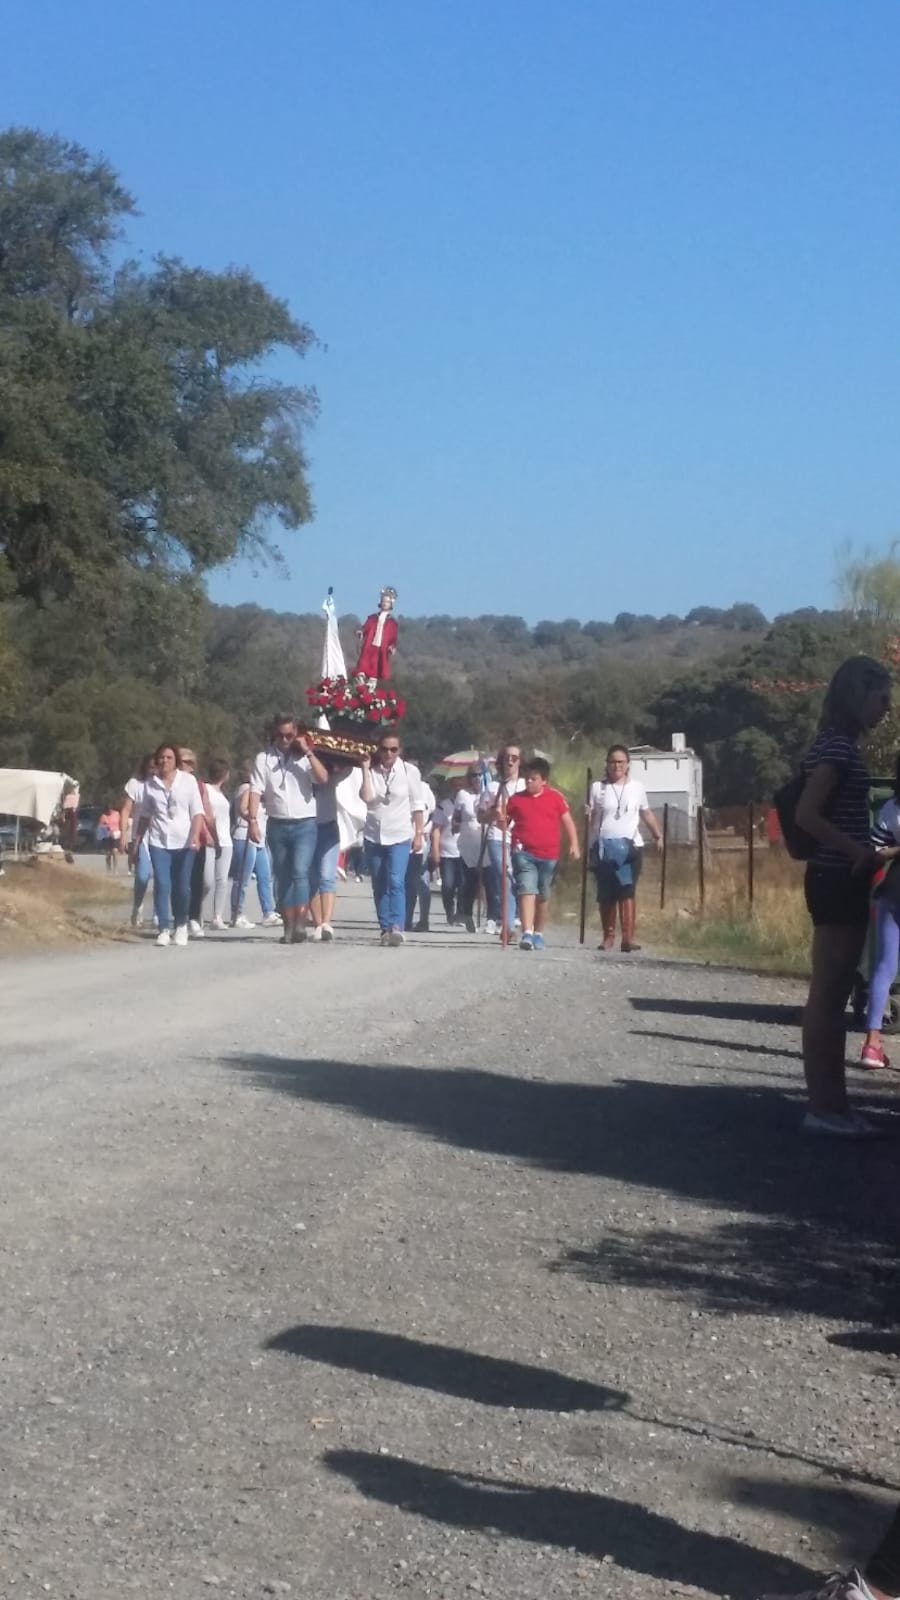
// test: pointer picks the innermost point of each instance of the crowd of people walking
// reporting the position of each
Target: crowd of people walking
(296, 821)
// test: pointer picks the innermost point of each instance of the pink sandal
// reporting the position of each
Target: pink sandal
(873, 1057)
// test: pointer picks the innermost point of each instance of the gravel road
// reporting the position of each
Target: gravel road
(355, 1273)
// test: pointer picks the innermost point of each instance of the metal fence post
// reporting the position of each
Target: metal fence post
(701, 854)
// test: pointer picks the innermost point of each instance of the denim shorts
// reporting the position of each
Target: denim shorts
(532, 874)
(325, 860)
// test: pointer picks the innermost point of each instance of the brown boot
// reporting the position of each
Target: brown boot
(628, 920)
(608, 920)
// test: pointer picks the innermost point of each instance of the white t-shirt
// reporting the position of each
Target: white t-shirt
(239, 825)
(489, 799)
(221, 810)
(443, 826)
(395, 797)
(429, 806)
(171, 811)
(465, 812)
(285, 782)
(616, 811)
(886, 832)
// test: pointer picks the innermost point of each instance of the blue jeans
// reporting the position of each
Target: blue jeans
(452, 887)
(325, 860)
(887, 952)
(493, 874)
(171, 885)
(142, 870)
(243, 867)
(387, 865)
(292, 841)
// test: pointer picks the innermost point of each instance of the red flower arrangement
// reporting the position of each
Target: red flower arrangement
(348, 701)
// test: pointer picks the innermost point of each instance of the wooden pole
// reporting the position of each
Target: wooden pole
(701, 856)
(584, 852)
(751, 860)
(665, 858)
(504, 869)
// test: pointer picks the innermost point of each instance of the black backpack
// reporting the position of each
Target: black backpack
(800, 845)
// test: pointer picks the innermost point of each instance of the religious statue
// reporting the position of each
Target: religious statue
(378, 641)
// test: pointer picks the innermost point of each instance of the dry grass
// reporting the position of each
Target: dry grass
(44, 901)
(772, 937)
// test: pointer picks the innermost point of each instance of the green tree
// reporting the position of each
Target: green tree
(138, 426)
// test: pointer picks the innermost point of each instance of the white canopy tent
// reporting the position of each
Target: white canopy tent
(31, 794)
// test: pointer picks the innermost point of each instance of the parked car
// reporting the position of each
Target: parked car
(86, 829)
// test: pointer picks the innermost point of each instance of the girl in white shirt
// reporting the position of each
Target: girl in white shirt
(171, 817)
(218, 855)
(618, 805)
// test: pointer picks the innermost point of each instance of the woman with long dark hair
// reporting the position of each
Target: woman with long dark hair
(833, 810)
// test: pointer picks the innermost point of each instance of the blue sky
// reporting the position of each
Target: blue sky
(608, 293)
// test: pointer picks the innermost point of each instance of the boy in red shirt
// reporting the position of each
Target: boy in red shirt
(537, 816)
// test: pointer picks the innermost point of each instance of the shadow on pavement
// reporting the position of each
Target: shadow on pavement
(591, 1524)
(853, 1520)
(870, 1341)
(737, 1045)
(489, 1380)
(796, 1267)
(784, 1016)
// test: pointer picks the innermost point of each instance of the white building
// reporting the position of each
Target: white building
(674, 778)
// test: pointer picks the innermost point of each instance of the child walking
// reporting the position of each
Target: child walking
(537, 815)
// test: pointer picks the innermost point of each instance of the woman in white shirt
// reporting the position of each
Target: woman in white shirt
(392, 791)
(170, 818)
(471, 835)
(250, 860)
(618, 805)
(445, 857)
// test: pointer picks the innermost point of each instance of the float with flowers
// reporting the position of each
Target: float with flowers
(350, 711)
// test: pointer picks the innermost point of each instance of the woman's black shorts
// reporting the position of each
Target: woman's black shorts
(610, 891)
(835, 896)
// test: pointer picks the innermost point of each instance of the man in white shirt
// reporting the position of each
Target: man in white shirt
(392, 791)
(508, 782)
(282, 779)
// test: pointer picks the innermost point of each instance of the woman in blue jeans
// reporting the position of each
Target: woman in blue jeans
(392, 791)
(171, 817)
(250, 860)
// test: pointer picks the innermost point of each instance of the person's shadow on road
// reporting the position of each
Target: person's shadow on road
(446, 1369)
(593, 1525)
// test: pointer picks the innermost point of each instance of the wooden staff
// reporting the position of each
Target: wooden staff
(584, 852)
(504, 868)
(665, 858)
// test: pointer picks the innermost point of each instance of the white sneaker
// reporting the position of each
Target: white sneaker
(196, 929)
(840, 1586)
(164, 938)
(244, 922)
(489, 927)
(219, 923)
(181, 935)
(327, 933)
(315, 935)
(271, 920)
